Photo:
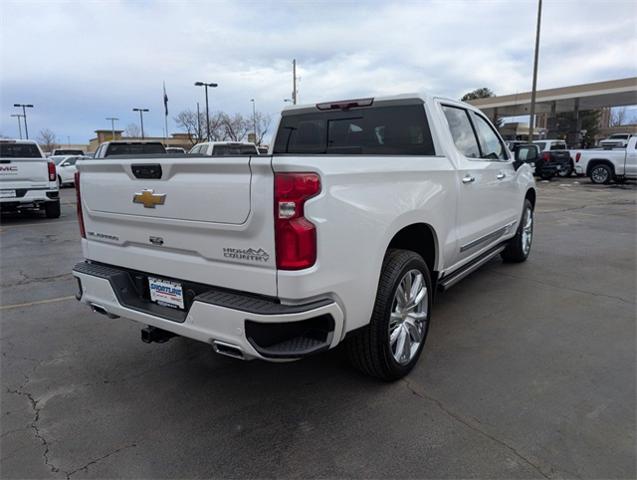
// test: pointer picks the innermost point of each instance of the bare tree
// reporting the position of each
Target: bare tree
(236, 127)
(263, 122)
(618, 117)
(47, 140)
(132, 130)
(187, 120)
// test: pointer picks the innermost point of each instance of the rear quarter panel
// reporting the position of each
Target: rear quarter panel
(364, 202)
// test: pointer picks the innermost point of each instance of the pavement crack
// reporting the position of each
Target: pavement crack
(26, 280)
(34, 424)
(475, 426)
(99, 459)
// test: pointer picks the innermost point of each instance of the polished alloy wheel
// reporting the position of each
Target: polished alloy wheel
(599, 175)
(408, 322)
(527, 230)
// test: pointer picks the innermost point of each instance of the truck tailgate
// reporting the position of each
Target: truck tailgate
(24, 173)
(202, 219)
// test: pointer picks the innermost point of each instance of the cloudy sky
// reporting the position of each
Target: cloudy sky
(81, 61)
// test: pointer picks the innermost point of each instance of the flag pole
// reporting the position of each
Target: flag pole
(165, 116)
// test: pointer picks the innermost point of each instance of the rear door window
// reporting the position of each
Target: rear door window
(391, 130)
(232, 150)
(558, 146)
(461, 130)
(491, 147)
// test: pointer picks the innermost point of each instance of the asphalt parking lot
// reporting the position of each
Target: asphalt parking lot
(528, 372)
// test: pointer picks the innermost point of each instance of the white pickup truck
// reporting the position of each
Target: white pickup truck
(363, 209)
(603, 166)
(28, 180)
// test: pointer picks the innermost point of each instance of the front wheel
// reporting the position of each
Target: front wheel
(519, 247)
(389, 347)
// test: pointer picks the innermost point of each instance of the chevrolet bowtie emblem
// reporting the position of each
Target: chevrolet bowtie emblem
(149, 199)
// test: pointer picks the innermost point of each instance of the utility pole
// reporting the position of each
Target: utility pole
(254, 118)
(535, 61)
(206, 85)
(113, 120)
(18, 116)
(141, 117)
(294, 81)
(198, 124)
(24, 114)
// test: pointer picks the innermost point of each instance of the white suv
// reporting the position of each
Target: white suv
(364, 209)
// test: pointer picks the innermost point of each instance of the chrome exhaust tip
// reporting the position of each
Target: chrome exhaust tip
(227, 349)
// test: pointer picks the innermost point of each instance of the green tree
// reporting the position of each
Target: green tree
(590, 122)
(483, 92)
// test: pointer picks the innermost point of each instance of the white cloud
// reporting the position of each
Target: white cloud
(82, 61)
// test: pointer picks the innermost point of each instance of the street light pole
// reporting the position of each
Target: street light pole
(24, 114)
(294, 81)
(141, 117)
(254, 118)
(206, 85)
(17, 115)
(113, 120)
(535, 61)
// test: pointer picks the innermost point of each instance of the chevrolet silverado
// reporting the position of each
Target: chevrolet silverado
(361, 211)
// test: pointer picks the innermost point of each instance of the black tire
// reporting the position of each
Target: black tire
(546, 176)
(369, 347)
(515, 250)
(568, 172)
(601, 174)
(52, 209)
(60, 184)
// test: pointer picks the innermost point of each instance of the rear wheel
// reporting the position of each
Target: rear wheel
(389, 347)
(568, 171)
(519, 247)
(52, 209)
(60, 184)
(601, 174)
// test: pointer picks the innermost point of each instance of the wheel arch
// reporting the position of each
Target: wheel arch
(531, 196)
(420, 238)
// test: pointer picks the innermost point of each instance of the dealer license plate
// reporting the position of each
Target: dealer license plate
(165, 292)
(7, 193)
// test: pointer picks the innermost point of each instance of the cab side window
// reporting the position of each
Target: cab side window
(461, 131)
(491, 146)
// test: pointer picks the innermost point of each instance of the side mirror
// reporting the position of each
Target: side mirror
(64, 164)
(525, 154)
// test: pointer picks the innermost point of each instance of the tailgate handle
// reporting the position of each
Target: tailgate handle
(152, 170)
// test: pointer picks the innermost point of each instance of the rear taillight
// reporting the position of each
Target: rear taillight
(295, 236)
(52, 175)
(546, 156)
(578, 155)
(80, 218)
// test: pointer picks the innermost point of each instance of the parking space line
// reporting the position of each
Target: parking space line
(37, 302)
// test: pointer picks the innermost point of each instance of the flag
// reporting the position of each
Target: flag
(165, 100)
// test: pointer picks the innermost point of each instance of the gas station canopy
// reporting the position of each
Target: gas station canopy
(589, 96)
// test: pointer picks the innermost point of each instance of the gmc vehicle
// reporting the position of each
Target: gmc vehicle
(603, 166)
(222, 149)
(363, 210)
(123, 147)
(555, 156)
(28, 180)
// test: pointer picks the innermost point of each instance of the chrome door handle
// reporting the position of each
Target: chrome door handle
(468, 179)
(501, 175)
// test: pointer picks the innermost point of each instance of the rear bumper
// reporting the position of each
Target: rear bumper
(26, 198)
(257, 327)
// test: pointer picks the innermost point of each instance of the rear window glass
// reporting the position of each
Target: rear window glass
(68, 152)
(19, 150)
(368, 131)
(230, 150)
(135, 149)
(558, 146)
